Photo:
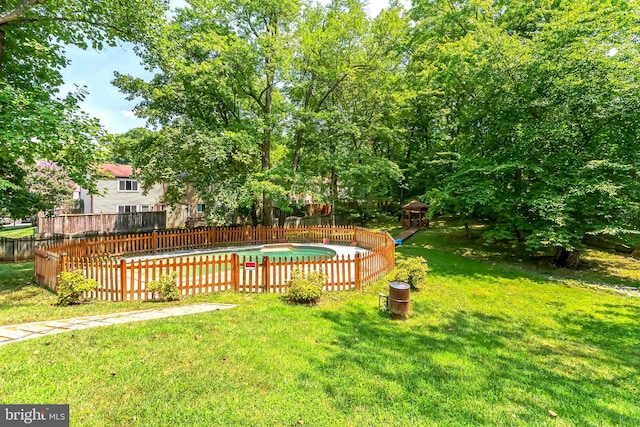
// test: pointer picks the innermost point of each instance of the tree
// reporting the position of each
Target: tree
(540, 103)
(345, 88)
(217, 99)
(51, 188)
(258, 103)
(36, 122)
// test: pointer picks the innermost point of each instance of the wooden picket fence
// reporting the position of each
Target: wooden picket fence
(71, 224)
(126, 279)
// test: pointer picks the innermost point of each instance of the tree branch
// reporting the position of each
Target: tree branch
(63, 19)
(18, 11)
(331, 89)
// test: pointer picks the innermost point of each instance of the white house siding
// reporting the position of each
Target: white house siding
(110, 197)
(86, 201)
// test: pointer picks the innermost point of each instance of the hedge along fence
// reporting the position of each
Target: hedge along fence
(126, 279)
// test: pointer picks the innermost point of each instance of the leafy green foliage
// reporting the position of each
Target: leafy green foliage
(411, 270)
(165, 287)
(267, 103)
(72, 285)
(37, 122)
(539, 101)
(305, 288)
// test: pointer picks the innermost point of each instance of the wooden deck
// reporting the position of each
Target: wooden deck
(405, 235)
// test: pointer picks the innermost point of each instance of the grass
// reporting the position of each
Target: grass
(22, 301)
(486, 344)
(607, 268)
(18, 232)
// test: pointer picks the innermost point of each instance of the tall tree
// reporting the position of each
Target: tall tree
(344, 90)
(217, 98)
(541, 104)
(36, 122)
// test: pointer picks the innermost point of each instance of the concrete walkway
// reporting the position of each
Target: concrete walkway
(24, 331)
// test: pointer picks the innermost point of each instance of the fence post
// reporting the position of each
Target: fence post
(123, 279)
(235, 272)
(63, 262)
(266, 276)
(154, 241)
(212, 236)
(357, 270)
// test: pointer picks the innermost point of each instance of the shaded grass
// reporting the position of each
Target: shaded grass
(485, 344)
(606, 267)
(18, 232)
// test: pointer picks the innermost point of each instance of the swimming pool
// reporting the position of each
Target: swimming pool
(275, 252)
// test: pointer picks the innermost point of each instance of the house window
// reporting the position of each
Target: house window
(144, 208)
(127, 208)
(200, 207)
(128, 185)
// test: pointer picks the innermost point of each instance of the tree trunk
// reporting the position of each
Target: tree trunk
(566, 258)
(3, 46)
(267, 204)
(254, 214)
(298, 148)
(467, 230)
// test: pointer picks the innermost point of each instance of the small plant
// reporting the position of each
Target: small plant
(71, 286)
(305, 288)
(165, 287)
(413, 271)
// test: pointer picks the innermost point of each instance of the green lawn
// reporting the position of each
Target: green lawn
(487, 343)
(18, 232)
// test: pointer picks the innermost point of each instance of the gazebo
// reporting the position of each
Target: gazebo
(414, 214)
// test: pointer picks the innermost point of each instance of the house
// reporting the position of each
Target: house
(189, 212)
(119, 192)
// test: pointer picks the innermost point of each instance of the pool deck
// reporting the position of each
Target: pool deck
(340, 250)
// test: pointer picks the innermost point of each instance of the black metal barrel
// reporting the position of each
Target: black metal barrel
(399, 296)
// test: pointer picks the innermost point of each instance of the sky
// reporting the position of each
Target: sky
(94, 70)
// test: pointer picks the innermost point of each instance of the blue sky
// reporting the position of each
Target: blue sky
(94, 70)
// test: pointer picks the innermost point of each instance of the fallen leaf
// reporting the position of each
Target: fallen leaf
(36, 353)
(553, 414)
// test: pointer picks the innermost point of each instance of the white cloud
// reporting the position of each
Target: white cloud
(126, 113)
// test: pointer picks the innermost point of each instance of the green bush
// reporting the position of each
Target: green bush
(305, 288)
(413, 271)
(166, 287)
(71, 286)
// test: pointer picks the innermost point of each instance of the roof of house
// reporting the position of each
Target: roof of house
(416, 205)
(118, 171)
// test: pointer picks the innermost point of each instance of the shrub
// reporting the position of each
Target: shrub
(305, 288)
(166, 287)
(413, 271)
(71, 286)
